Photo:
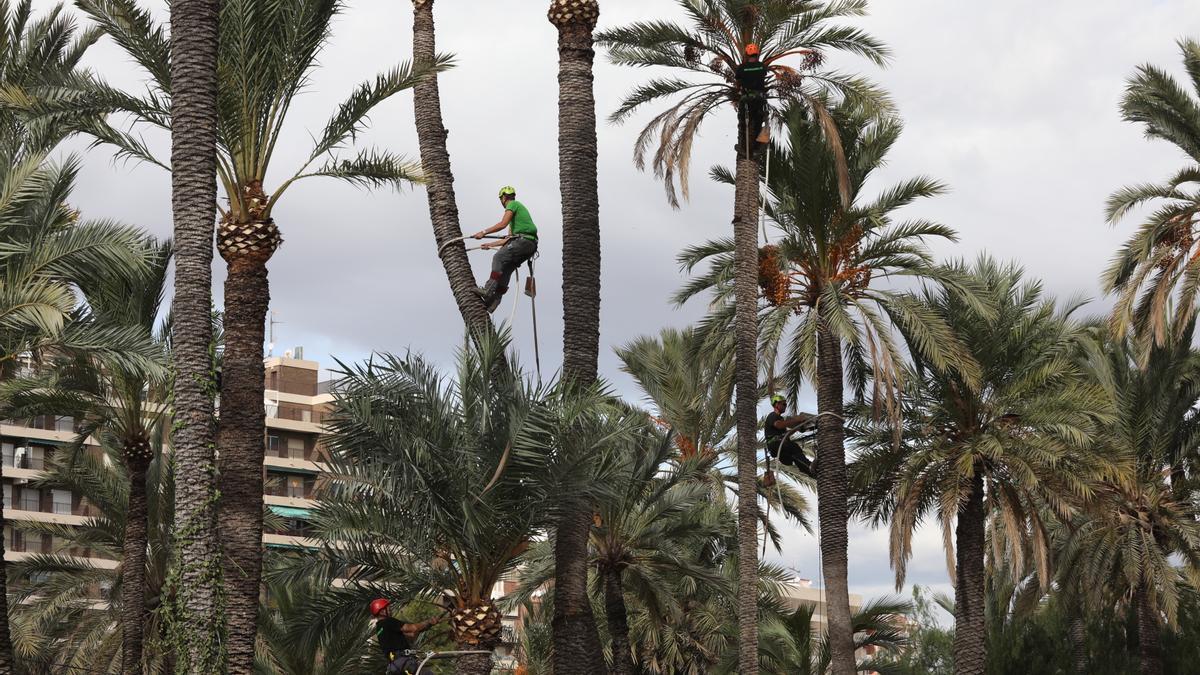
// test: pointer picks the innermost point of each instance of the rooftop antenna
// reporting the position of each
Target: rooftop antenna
(271, 341)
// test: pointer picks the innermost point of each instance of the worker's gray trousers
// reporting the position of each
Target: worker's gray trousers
(507, 259)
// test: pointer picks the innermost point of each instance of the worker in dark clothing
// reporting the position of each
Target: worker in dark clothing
(520, 245)
(395, 639)
(752, 83)
(777, 428)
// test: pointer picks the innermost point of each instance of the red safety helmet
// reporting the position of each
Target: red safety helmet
(751, 49)
(379, 606)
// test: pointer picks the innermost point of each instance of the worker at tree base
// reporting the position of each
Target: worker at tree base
(520, 245)
(395, 639)
(752, 85)
(776, 430)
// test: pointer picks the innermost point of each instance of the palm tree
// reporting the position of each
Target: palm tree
(645, 534)
(439, 179)
(687, 388)
(193, 115)
(1160, 258)
(712, 45)
(347, 651)
(441, 485)
(267, 52)
(791, 648)
(1139, 540)
(50, 254)
(826, 285)
(1002, 452)
(36, 51)
(577, 643)
(59, 622)
(123, 407)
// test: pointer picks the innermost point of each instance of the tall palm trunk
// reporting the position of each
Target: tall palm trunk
(477, 626)
(970, 629)
(576, 639)
(832, 494)
(133, 559)
(198, 621)
(439, 180)
(1149, 647)
(1077, 633)
(618, 621)
(472, 664)
(247, 296)
(577, 151)
(745, 285)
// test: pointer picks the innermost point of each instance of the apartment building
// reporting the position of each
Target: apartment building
(296, 403)
(295, 454)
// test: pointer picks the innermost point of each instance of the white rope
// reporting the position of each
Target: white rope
(762, 198)
(512, 317)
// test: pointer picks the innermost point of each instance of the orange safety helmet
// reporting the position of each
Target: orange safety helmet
(379, 606)
(751, 49)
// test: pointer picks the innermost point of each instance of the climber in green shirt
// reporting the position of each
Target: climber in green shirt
(519, 246)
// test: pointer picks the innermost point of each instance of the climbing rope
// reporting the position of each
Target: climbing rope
(530, 290)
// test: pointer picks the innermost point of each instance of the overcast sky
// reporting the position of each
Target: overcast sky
(1013, 104)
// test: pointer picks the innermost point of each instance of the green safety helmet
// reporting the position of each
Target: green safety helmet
(777, 398)
(508, 191)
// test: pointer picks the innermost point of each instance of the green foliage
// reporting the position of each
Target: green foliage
(930, 646)
(708, 48)
(1158, 267)
(59, 611)
(1026, 428)
(441, 484)
(1141, 530)
(268, 51)
(791, 646)
(838, 257)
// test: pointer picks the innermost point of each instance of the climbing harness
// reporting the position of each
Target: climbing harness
(769, 479)
(530, 290)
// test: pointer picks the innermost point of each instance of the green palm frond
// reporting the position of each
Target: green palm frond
(1025, 419)
(839, 256)
(1158, 265)
(267, 53)
(706, 48)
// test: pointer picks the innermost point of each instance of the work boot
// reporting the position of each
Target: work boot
(494, 301)
(487, 293)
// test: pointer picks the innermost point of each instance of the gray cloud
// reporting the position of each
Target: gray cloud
(1013, 104)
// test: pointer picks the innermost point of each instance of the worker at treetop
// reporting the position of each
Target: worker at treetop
(519, 246)
(752, 82)
(395, 638)
(777, 428)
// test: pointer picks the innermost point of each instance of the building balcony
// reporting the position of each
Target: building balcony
(17, 513)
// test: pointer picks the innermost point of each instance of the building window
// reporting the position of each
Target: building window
(29, 499)
(8, 496)
(295, 487)
(29, 457)
(65, 423)
(62, 502)
(273, 445)
(9, 455)
(40, 577)
(27, 542)
(295, 448)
